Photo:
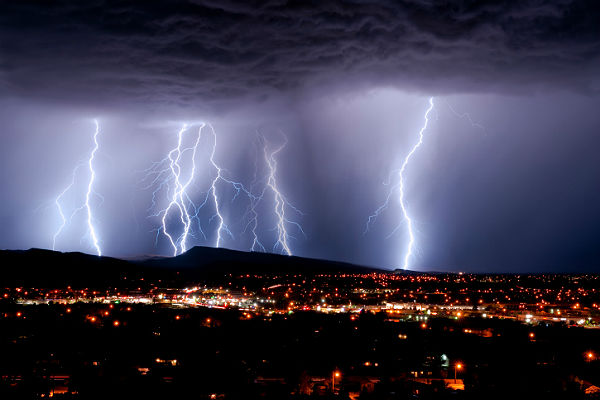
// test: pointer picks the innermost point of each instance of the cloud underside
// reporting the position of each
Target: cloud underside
(184, 53)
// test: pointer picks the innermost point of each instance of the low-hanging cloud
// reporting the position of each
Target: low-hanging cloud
(214, 51)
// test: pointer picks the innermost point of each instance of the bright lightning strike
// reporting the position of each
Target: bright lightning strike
(222, 227)
(407, 218)
(400, 187)
(256, 243)
(281, 204)
(213, 190)
(251, 212)
(238, 187)
(168, 173)
(86, 205)
(178, 198)
(90, 223)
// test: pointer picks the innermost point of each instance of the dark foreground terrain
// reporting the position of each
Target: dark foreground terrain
(217, 324)
(105, 351)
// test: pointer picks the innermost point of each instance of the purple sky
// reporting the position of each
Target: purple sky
(516, 188)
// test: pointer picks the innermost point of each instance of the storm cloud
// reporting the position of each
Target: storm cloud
(206, 52)
(506, 179)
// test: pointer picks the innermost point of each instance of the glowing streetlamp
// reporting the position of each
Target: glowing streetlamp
(457, 367)
(336, 374)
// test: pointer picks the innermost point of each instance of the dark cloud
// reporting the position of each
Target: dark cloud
(188, 53)
(348, 83)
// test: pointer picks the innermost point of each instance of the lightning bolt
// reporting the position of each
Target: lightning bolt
(175, 169)
(179, 200)
(281, 204)
(400, 186)
(213, 191)
(222, 227)
(58, 204)
(90, 223)
(254, 201)
(167, 173)
(86, 205)
(467, 116)
(256, 244)
(183, 192)
(407, 218)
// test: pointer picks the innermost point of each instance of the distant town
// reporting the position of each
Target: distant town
(321, 335)
(531, 299)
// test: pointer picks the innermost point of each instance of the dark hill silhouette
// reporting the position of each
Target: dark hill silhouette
(209, 260)
(46, 268)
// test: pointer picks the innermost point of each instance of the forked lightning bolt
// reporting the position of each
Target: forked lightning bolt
(281, 204)
(168, 173)
(400, 186)
(222, 227)
(256, 243)
(213, 190)
(254, 202)
(467, 116)
(90, 188)
(411, 235)
(88, 196)
(58, 204)
(252, 222)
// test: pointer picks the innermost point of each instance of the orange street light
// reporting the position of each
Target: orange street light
(336, 374)
(457, 366)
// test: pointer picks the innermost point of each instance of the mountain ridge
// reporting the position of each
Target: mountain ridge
(46, 268)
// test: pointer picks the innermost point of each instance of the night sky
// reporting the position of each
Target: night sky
(507, 178)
